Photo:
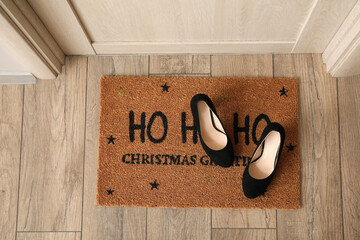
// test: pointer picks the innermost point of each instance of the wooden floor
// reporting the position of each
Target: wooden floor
(49, 148)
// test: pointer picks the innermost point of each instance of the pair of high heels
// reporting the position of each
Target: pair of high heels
(260, 169)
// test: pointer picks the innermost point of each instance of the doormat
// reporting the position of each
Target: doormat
(150, 155)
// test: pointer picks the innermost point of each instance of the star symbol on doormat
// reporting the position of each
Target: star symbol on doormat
(154, 185)
(283, 91)
(165, 88)
(111, 139)
(121, 92)
(110, 191)
(222, 98)
(209, 178)
(290, 147)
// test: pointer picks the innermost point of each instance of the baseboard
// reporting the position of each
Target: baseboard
(223, 47)
(17, 78)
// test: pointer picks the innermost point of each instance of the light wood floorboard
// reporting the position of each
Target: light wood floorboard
(349, 110)
(11, 112)
(49, 236)
(51, 172)
(107, 222)
(180, 64)
(168, 223)
(320, 215)
(244, 234)
(252, 66)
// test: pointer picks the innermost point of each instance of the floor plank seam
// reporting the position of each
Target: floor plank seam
(247, 228)
(341, 190)
(211, 56)
(276, 218)
(313, 155)
(211, 228)
(273, 66)
(180, 74)
(146, 223)
(21, 142)
(83, 190)
(48, 231)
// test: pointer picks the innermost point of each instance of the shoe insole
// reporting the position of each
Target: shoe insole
(212, 131)
(265, 164)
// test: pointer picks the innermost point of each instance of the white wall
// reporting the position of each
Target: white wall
(11, 71)
(8, 64)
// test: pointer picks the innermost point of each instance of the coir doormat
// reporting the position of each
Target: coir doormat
(150, 154)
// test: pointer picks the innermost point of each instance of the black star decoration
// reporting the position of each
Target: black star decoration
(165, 88)
(110, 191)
(290, 147)
(111, 139)
(154, 185)
(283, 91)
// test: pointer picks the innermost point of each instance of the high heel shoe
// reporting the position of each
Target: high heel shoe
(261, 168)
(213, 137)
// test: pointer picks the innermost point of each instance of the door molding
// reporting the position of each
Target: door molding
(342, 54)
(213, 47)
(27, 39)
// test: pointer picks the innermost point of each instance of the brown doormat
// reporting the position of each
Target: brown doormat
(150, 154)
